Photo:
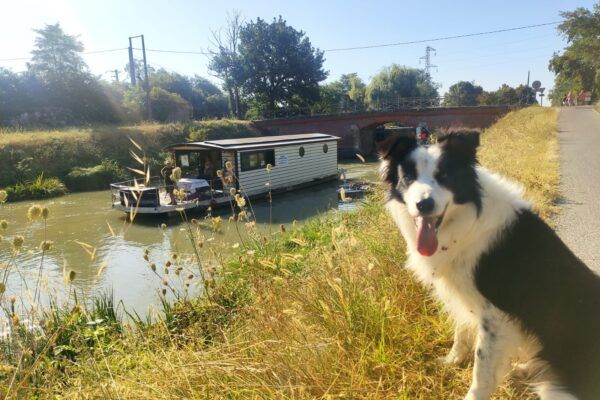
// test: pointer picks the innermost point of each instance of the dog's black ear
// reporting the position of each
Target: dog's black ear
(396, 146)
(463, 142)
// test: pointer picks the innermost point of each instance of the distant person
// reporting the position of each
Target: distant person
(581, 98)
(166, 173)
(564, 100)
(570, 98)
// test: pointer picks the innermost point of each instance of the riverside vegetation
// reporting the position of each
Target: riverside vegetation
(323, 310)
(34, 164)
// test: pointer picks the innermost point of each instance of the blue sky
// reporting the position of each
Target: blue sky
(186, 25)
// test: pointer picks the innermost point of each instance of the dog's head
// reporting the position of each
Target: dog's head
(427, 180)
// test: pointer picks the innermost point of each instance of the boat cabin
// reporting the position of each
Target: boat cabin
(295, 161)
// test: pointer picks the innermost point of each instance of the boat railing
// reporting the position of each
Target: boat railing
(154, 193)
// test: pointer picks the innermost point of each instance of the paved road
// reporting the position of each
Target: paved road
(579, 220)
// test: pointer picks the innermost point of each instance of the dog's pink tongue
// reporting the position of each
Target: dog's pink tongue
(427, 242)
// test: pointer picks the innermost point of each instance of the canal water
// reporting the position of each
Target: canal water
(105, 252)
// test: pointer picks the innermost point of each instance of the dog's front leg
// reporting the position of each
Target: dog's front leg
(462, 346)
(497, 341)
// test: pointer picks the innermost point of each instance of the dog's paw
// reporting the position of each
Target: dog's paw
(454, 359)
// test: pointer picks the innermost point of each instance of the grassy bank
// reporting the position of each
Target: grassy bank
(323, 311)
(24, 155)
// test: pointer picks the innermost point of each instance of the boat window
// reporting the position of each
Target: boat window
(252, 160)
(301, 151)
(325, 148)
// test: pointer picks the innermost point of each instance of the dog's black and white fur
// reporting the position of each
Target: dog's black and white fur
(511, 286)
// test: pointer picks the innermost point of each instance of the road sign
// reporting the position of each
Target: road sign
(536, 85)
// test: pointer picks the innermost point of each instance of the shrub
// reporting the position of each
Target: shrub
(168, 106)
(94, 178)
(40, 188)
(221, 129)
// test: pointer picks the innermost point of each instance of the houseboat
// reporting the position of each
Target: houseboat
(295, 161)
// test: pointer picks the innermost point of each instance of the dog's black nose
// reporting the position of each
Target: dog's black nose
(426, 206)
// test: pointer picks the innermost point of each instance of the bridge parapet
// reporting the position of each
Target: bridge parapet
(356, 129)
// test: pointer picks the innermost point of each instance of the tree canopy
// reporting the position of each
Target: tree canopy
(578, 67)
(399, 81)
(280, 66)
(463, 93)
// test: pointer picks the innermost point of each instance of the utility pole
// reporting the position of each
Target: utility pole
(146, 83)
(116, 75)
(427, 58)
(131, 65)
(528, 72)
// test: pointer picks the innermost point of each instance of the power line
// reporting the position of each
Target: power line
(444, 37)
(85, 52)
(329, 50)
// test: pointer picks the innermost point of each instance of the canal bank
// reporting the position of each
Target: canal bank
(106, 253)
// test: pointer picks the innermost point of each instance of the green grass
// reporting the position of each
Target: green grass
(24, 155)
(39, 188)
(322, 311)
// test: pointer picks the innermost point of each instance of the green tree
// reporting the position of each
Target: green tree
(225, 61)
(280, 66)
(398, 81)
(507, 95)
(578, 67)
(463, 93)
(57, 56)
(347, 93)
(69, 89)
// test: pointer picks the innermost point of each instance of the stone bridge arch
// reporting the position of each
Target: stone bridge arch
(355, 128)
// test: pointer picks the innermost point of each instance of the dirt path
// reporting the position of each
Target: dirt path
(579, 220)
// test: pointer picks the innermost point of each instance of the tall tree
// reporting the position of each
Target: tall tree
(225, 61)
(57, 55)
(463, 93)
(398, 81)
(69, 88)
(281, 67)
(578, 67)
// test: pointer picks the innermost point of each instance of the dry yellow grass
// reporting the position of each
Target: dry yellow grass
(332, 311)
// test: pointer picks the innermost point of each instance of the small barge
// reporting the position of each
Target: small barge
(295, 161)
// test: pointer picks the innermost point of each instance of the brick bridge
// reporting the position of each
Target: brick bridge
(357, 130)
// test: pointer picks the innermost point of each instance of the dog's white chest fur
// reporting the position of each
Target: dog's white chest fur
(463, 237)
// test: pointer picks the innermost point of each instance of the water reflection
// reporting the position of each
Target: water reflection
(117, 261)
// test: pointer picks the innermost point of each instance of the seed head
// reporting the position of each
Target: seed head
(2, 288)
(15, 320)
(282, 228)
(166, 271)
(46, 245)
(72, 276)
(190, 276)
(45, 213)
(176, 174)
(268, 168)
(17, 242)
(34, 212)
(168, 264)
(4, 224)
(3, 196)
(229, 166)
(195, 221)
(164, 292)
(13, 299)
(232, 192)
(163, 226)
(153, 267)
(219, 173)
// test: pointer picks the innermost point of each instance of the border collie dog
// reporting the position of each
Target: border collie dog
(511, 286)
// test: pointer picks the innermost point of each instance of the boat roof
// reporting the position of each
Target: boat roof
(255, 142)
